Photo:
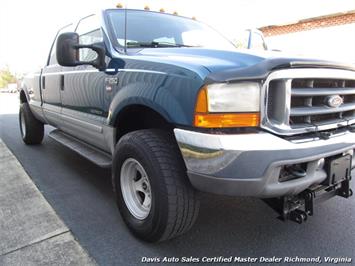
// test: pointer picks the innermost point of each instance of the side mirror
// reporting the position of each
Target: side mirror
(68, 47)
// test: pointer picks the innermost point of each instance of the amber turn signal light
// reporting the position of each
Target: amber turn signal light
(202, 101)
(227, 120)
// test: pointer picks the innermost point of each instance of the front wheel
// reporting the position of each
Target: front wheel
(154, 195)
(32, 130)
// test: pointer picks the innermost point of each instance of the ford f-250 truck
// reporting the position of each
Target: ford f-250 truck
(174, 108)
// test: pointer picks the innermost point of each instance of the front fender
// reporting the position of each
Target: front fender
(173, 98)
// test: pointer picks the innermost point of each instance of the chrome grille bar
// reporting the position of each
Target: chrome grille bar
(309, 111)
(296, 100)
(321, 92)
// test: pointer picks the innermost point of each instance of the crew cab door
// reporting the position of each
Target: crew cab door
(51, 82)
(83, 96)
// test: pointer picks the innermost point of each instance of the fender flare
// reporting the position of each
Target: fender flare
(117, 107)
(25, 91)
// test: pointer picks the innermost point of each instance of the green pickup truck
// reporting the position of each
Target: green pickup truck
(173, 108)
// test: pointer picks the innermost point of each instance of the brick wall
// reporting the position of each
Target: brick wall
(309, 24)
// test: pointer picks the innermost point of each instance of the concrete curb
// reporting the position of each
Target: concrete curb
(31, 233)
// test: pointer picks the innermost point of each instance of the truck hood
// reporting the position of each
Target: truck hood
(213, 60)
(237, 64)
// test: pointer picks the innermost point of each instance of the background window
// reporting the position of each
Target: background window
(89, 30)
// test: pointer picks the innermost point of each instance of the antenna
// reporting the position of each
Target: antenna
(125, 29)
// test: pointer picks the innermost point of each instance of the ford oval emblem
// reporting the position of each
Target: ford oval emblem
(334, 101)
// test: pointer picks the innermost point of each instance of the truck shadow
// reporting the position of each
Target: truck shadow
(81, 194)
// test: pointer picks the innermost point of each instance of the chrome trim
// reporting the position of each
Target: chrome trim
(71, 72)
(302, 111)
(107, 70)
(283, 127)
(324, 92)
(310, 139)
(110, 70)
(250, 164)
(82, 123)
(262, 141)
(141, 70)
(209, 154)
(287, 100)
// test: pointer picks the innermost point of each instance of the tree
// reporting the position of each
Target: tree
(6, 77)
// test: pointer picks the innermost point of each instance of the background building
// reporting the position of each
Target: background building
(331, 36)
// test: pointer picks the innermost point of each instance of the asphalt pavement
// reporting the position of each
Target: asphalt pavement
(81, 195)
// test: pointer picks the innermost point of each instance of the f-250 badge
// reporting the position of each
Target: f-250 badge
(110, 82)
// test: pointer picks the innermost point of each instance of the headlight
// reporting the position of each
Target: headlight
(238, 97)
(228, 105)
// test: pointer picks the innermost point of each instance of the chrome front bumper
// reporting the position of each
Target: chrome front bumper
(250, 164)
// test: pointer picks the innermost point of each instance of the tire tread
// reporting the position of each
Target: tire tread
(183, 203)
(34, 128)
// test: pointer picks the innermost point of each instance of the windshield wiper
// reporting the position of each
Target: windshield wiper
(154, 44)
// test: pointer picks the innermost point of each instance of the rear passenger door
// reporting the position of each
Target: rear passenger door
(83, 97)
(51, 83)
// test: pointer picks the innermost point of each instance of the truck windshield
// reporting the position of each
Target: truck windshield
(152, 29)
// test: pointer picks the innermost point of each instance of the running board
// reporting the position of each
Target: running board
(91, 153)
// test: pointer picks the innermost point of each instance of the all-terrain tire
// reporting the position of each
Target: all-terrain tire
(32, 130)
(174, 202)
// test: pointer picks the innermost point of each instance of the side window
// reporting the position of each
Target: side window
(89, 30)
(52, 57)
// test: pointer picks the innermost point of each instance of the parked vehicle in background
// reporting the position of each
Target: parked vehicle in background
(12, 87)
(250, 39)
(3, 90)
(173, 107)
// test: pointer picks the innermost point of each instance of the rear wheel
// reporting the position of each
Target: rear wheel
(32, 130)
(154, 195)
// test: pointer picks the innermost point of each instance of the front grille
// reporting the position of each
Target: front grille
(302, 100)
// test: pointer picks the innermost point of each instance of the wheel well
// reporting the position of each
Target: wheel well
(23, 98)
(138, 117)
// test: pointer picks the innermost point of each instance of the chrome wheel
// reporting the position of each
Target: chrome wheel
(22, 124)
(136, 189)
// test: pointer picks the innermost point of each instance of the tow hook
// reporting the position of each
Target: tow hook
(299, 207)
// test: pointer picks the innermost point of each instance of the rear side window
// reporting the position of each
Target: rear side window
(89, 30)
(52, 57)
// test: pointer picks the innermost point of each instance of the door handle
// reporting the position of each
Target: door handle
(61, 81)
(43, 82)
